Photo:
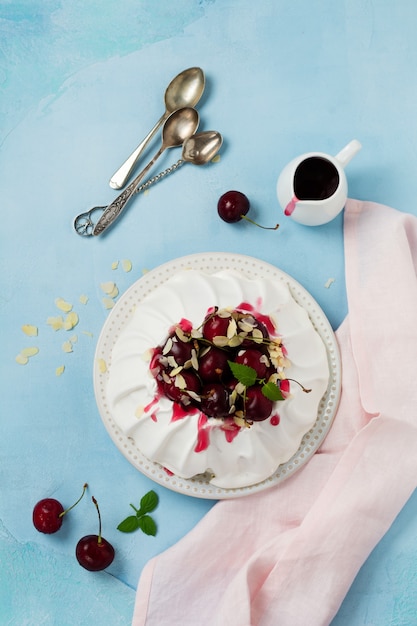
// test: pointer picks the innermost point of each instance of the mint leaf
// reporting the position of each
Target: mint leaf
(147, 525)
(148, 503)
(129, 524)
(244, 374)
(272, 392)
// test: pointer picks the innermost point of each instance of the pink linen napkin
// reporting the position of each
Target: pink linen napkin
(288, 555)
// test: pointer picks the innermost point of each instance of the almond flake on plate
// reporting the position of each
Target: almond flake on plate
(60, 370)
(102, 366)
(126, 265)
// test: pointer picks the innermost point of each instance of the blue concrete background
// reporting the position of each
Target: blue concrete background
(80, 85)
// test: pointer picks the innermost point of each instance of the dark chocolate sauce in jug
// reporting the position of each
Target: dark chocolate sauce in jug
(315, 178)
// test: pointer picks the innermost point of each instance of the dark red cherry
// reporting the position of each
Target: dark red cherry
(257, 407)
(232, 206)
(213, 365)
(255, 359)
(93, 552)
(215, 400)
(48, 514)
(215, 326)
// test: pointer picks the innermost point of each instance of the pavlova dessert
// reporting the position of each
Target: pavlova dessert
(218, 374)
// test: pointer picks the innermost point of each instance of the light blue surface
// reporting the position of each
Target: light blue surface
(81, 84)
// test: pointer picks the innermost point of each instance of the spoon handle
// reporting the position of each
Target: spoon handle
(119, 178)
(114, 209)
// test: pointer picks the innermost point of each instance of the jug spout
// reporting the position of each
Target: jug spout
(348, 152)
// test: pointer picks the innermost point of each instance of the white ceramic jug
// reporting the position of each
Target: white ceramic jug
(312, 188)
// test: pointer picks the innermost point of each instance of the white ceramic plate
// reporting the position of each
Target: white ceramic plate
(211, 263)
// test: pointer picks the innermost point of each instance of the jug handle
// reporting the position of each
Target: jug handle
(348, 152)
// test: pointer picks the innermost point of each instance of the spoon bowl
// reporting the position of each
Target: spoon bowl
(185, 90)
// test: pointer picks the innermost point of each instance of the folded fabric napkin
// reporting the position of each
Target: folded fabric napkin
(288, 555)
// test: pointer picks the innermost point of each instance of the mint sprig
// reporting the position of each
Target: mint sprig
(141, 520)
(247, 376)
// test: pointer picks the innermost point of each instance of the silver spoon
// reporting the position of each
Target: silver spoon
(198, 149)
(178, 127)
(185, 90)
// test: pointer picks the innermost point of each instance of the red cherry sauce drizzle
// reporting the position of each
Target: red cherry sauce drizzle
(291, 206)
(265, 319)
(149, 406)
(274, 420)
(203, 434)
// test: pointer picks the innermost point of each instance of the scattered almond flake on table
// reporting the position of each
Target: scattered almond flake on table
(108, 303)
(60, 370)
(71, 320)
(108, 287)
(67, 346)
(102, 366)
(56, 323)
(29, 351)
(83, 299)
(22, 360)
(329, 282)
(216, 158)
(126, 265)
(63, 305)
(74, 339)
(30, 330)
(115, 265)
(88, 333)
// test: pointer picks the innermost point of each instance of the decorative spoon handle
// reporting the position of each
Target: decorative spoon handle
(114, 209)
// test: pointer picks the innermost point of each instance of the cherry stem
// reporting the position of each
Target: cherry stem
(75, 503)
(299, 384)
(248, 219)
(99, 520)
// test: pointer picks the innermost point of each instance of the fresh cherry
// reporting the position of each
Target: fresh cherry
(215, 326)
(255, 359)
(48, 514)
(176, 394)
(93, 552)
(213, 365)
(215, 400)
(233, 206)
(257, 406)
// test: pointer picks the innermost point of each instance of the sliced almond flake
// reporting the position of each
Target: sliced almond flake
(204, 351)
(102, 366)
(30, 330)
(329, 282)
(139, 411)
(167, 347)
(194, 359)
(127, 265)
(231, 329)
(264, 359)
(108, 287)
(83, 299)
(240, 388)
(67, 346)
(114, 292)
(63, 305)
(224, 313)
(220, 341)
(177, 370)
(216, 158)
(115, 265)
(235, 341)
(108, 303)
(28, 352)
(194, 396)
(180, 382)
(21, 359)
(74, 339)
(171, 361)
(246, 326)
(147, 355)
(257, 335)
(88, 333)
(71, 320)
(181, 335)
(60, 370)
(56, 323)
(145, 270)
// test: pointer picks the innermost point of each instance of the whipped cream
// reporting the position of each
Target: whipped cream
(191, 444)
